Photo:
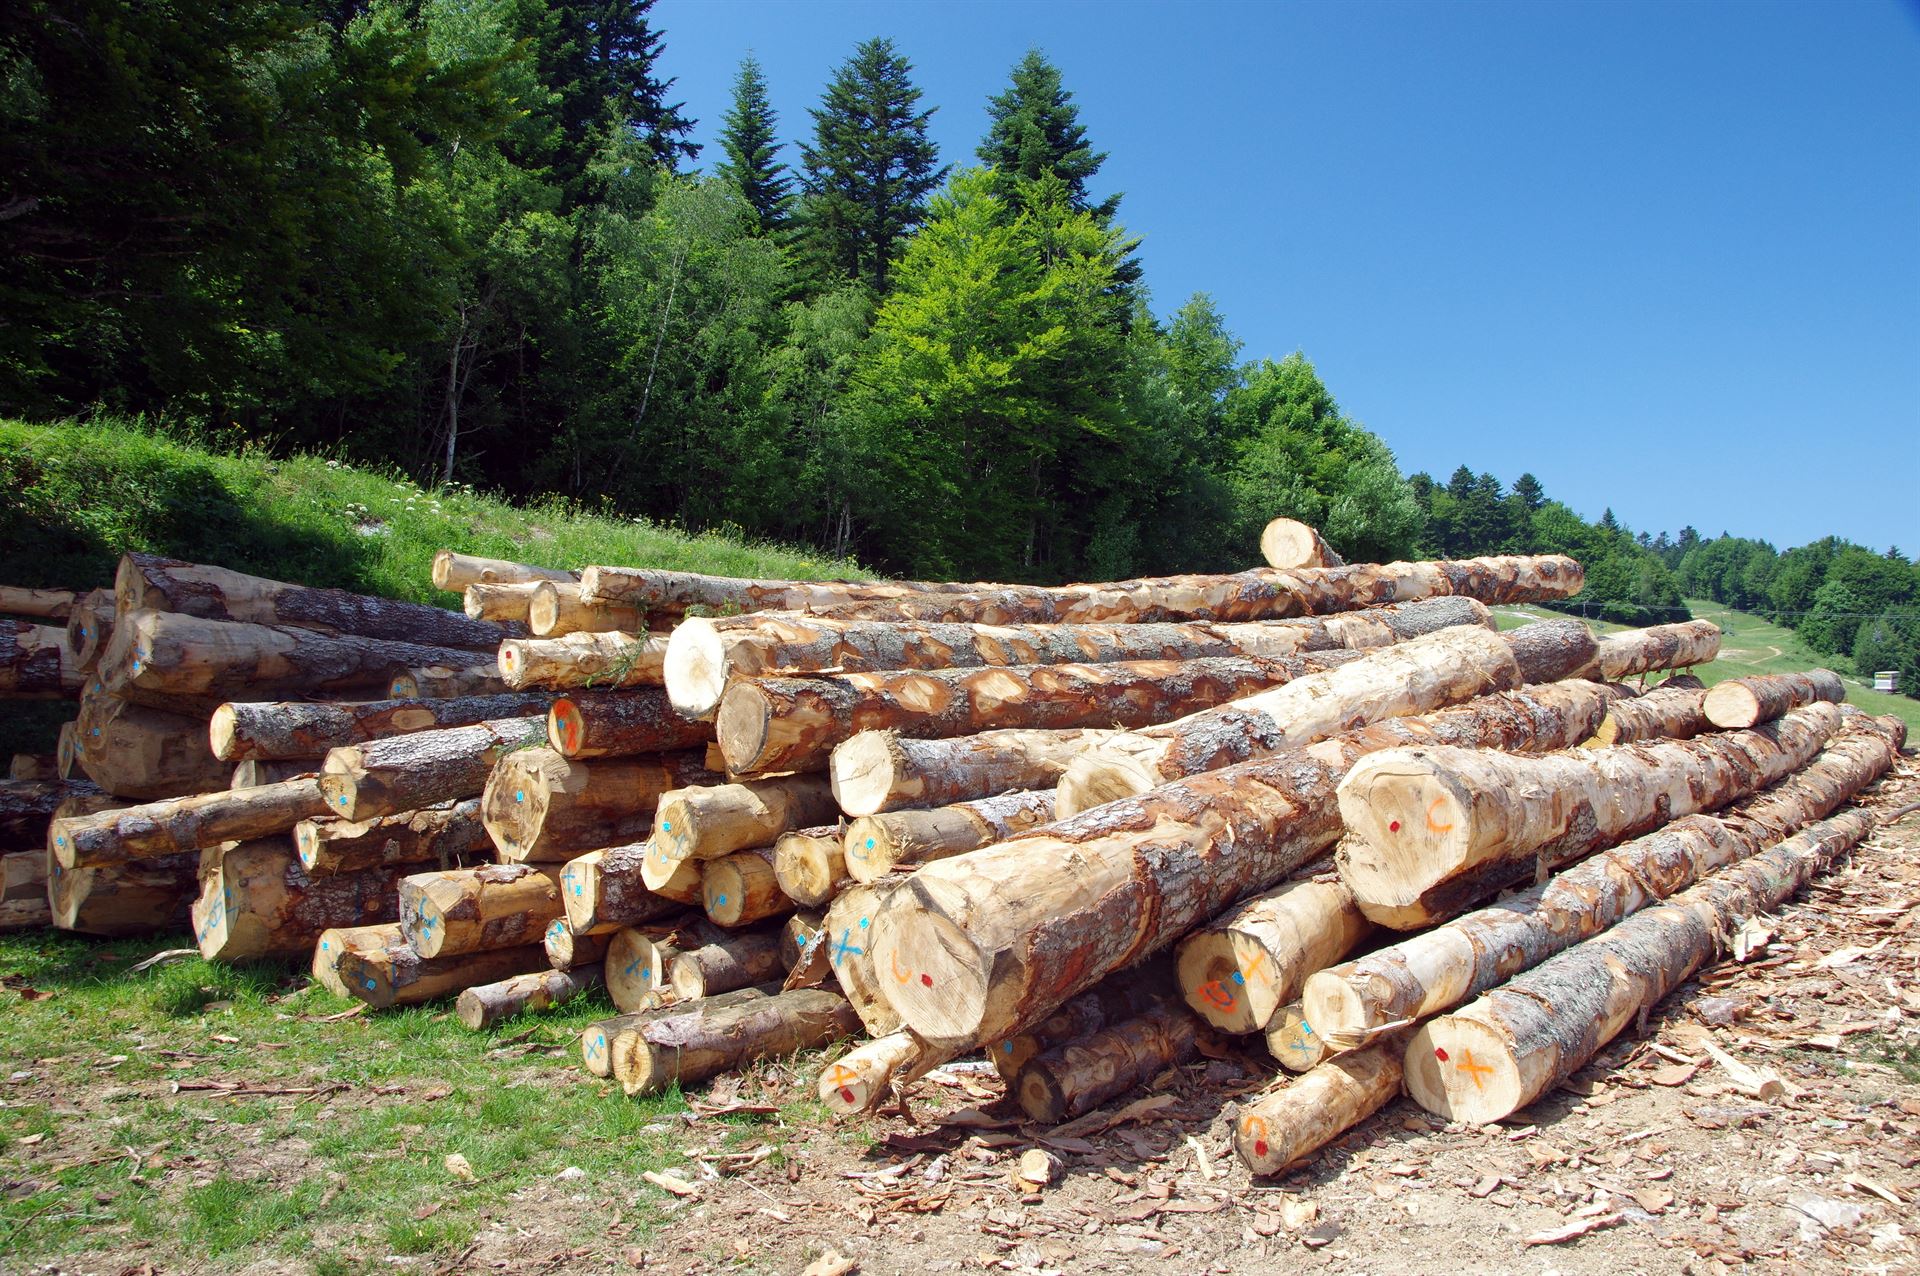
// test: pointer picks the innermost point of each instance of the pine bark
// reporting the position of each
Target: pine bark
(667, 595)
(1240, 969)
(810, 864)
(399, 976)
(176, 825)
(1681, 646)
(454, 572)
(1747, 702)
(485, 1005)
(725, 964)
(692, 1043)
(601, 724)
(446, 836)
(557, 610)
(307, 729)
(541, 807)
(585, 660)
(1079, 1076)
(36, 663)
(471, 910)
(407, 772)
(708, 821)
(447, 682)
(1674, 710)
(256, 901)
(1288, 1125)
(876, 844)
(28, 808)
(604, 889)
(1287, 543)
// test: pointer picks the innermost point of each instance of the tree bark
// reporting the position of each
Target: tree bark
(741, 888)
(28, 808)
(89, 627)
(540, 807)
(454, 572)
(303, 729)
(1671, 711)
(407, 772)
(850, 927)
(565, 950)
(810, 864)
(337, 943)
(695, 1042)
(446, 836)
(1432, 830)
(508, 602)
(1115, 999)
(1747, 702)
(600, 724)
(669, 594)
(1237, 971)
(1516, 1042)
(41, 604)
(708, 821)
(446, 682)
(735, 961)
(1288, 1125)
(256, 901)
(792, 724)
(399, 976)
(875, 844)
(254, 774)
(879, 771)
(600, 660)
(604, 889)
(137, 752)
(1681, 646)
(557, 610)
(141, 898)
(485, 1005)
(472, 910)
(1292, 1041)
(1287, 543)
(1079, 1076)
(36, 663)
(170, 827)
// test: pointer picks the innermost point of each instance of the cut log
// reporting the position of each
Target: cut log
(41, 604)
(792, 724)
(1516, 1042)
(603, 889)
(1412, 677)
(702, 1040)
(1115, 999)
(1292, 1041)
(850, 929)
(142, 898)
(858, 1080)
(704, 656)
(453, 572)
(28, 913)
(34, 766)
(635, 969)
(143, 753)
(810, 863)
(1747, 702)
(1079, 1076)
(600, 724)
(1674, 710)
(471, 910)
(484, 1005)
(678, 880)
(1286, 542)
(335, 944)
(1433, 830)
(67, 750)
(156, 656)
(176, 825)
(303, 729)
(1681, 646)
(879, 771)
(89, 627)
(596, 1043)
(734, 961)
(669, 594)
(1240, 969)
(28, 808)
(741, 889)
(541, 807)
(565, 950)
(36, 663)
(23, 875)
(1286, 1126)
(875, 844)
(584, 660)
(557, 609)
(256, 901)
(447, 682)
(399, 976)
(976, 948)
(446, 836)
(709, 821)
(146, 582)
(407, 772)
(253, 774)
(499, 601)
(1424, 974)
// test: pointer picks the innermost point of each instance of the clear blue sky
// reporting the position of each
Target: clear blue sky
(1665, 256)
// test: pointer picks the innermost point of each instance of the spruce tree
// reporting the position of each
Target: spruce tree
(751, 145)
(1034, 129)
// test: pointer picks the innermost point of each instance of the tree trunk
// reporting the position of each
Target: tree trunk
(500, 602)
(1286, 543)
(596, 1043)
(741, 888)
(1747, 702)
(175, 825)
(604, 889)
(146, 582)
(667, 595)
(565, 950)
(543, 808)
(1241, 968)
(146, 754)
(1424, 974)
(708, 821)
(974, 949)
(792, 724)
(472, 910)
(302, 729)
(1671, 711)
(1286, 1126)
(24, 901)
(1681, 646)
(585, 660)
(89, 628)
(678, 880)
(557, 610)
(875, 844)
(810, 864)
(1292, 1041)
(1432, 830)
(485, 1005)
(702, 1040)
(337, 943)
(445, 682)
(36, 663)
(454, 572)
(735, 961)
(407, 772)
(254, 774)
(1079, 1076)
(850, 930)
(141, 898)
(1115, 999)
(41, 604)
(1516, 1042)
(600, 724)
(703, 655)
(879, 771)
(399, 976)
(256, 901)
(1412, 677)
(445, 836)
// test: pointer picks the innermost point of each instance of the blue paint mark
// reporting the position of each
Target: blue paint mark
(370, 985)
(1306, 1029)
(869, 843)
(519, 795)
(1239, 978)
(720, 901)
(863, 923)
(666, 826)
(841, 949)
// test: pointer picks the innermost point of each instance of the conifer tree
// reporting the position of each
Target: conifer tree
(752, 144)
(1034, 129)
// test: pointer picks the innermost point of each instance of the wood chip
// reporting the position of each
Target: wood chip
(670, 1183)
(1574, 1230)
(830, 1264)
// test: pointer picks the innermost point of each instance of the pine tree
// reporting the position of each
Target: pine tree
(871, 166)
(751, 145)
(1034, 129)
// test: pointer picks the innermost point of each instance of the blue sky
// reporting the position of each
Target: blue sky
(1665, 256)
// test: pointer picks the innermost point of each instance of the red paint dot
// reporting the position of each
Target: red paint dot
(1439, 1054)
(1260, 1148)
(846, 1095)
(1393, 827)
(927, 980)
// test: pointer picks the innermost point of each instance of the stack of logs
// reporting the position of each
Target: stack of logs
(1084, 829)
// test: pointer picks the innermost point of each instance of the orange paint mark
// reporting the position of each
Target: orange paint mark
(1472, 1069)
(1217, 995)
(893, 960)
(1258, 965)
(1431, 826)
(840, 1075)
(1254, 1129)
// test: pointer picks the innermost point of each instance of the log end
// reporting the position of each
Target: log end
(723, 892)
(1213, 983)
(595, 1056)
(869, 850)
(512, 660)
(220, 734)
(1099, 777)
(1732, 706)
(695, 667)
(808, 865)
(1039, 1095)
(566, 727)
(1462, 1070)
(470, 1010)
(936, 978)
(442, 571)
(742, 726)
(543, 609)
(1292, 1041)
(864, 772)
(1287, 543)
(1408, 825)
(686, 978)
(1339, 1015)
(676, 879)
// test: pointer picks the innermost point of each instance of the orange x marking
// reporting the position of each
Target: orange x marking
(1472, 1069)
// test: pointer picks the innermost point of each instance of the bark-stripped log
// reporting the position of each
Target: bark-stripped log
(1079, 1076)
(541, 807)
(146, 582)
(600, 724)
(1671, 711)
(335, 944)
(850, 927)
(792, 724)
(143, 753)
(1292, 1041)
(972, 949)
(453, 572)
(604, 889)
(741, 889)
(1291, 1124)
(584, 660)
(1509, 1047)
(876, 843)
(1413, 677)
(175, 825)
(499, 601)
(256, 901)
(1240, 969)
(304, 729)
(1747, 702)
(709, 821)
(703, 655)
(446, 836)
(404, 773)
(1117, 998)
(701, 1040)
(565, 950)
(399, 976)
(734, 961)
(810, 863)
(1431, 831)
(557, 610)
(1286, 542)
(41, 604)
(879, 771)
(668, 594)
(1681, 646)
(1433, 971)
(36, 663)
(446, 682)
(484, 1005)
(635, 969)
(471, 910)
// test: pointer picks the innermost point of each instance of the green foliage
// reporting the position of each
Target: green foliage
(751, 144)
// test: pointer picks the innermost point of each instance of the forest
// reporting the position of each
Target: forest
(473, 240)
